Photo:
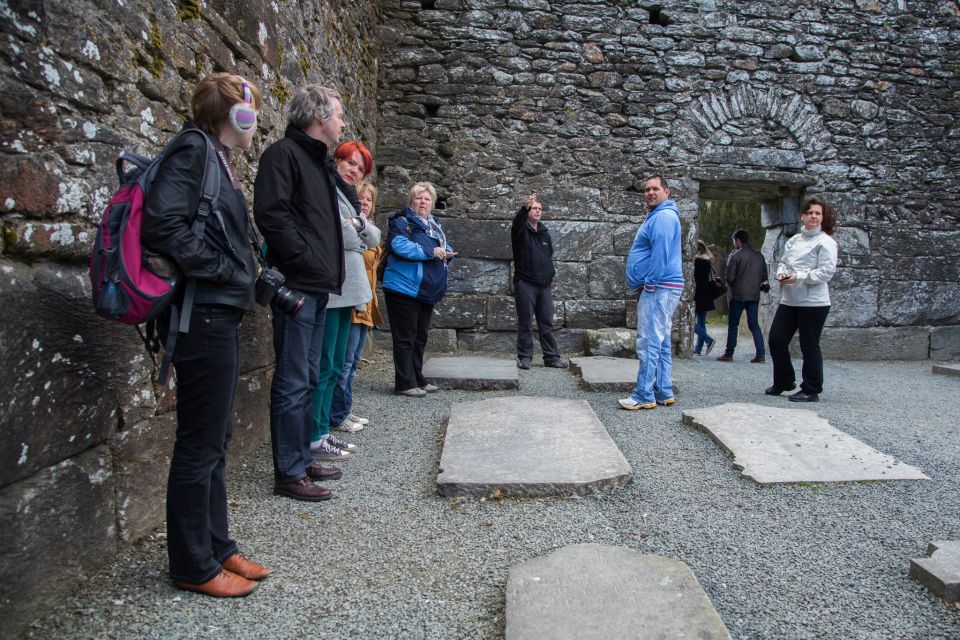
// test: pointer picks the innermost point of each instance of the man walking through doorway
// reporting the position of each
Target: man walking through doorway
(746, 276)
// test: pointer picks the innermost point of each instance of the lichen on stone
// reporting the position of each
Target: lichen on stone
(188, 9)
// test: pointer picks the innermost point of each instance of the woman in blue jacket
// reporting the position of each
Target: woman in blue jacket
(414, 281)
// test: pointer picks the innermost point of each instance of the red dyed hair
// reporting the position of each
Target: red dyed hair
(346, 149)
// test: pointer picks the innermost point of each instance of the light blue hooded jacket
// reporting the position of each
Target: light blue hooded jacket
(655, 258)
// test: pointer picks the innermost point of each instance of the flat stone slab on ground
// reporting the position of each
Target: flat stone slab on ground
(472, 373)
(605, 373)
(772, 445)
(593, 591)
(947, 369)
(521, 446)
(940, 572)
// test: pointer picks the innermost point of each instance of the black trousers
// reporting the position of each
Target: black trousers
(534, 302)
(409, 327)
(207, 362)
(809, 322)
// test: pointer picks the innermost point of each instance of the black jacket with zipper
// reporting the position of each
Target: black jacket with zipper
(295, 208)
(532, 251)
(221, 260)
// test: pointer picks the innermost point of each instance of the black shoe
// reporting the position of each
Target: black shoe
(775, 390)
(803, 396)
(557, 364)
(524, 363)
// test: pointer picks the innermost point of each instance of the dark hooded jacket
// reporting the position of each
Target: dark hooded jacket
(532, 251)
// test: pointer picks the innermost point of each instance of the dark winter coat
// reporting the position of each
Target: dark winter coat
(532, 251)
(702, 295)
(295, 207)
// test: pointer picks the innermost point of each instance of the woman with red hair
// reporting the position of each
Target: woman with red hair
(354, 162)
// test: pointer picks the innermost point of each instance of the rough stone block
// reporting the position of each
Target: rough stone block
(474, 275)
(945, 343)
(71, 378)
(594, 314)
(59, 527)
(516, 446)
(490, 341)
(256, 340)
(599, 592)
(607, 278)
(488, 239)
(141, 459)
(766, 158)
(940, 571)
(853, 294)
(580, 241)
(875, 343)
(779, 446)
(947, 369)
(471, 372)
(571, 280)
(605, 373)
(623, 237)
(502, 313)
(251, 414)
(613, 342)
(441, 341)
(459, 312)
(914, 303)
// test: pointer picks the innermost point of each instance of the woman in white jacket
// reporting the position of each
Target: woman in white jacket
(808, 263)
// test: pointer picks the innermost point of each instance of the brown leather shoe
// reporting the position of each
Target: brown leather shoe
(725, 358)
(224, 585)
(240, 565)
(758, 359)
(317, 471)
(302, 489)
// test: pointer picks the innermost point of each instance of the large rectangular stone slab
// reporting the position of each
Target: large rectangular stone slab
(472, 372)
(592, 591)
(519, 446)
(947, 369)
(775, 446)
(605, 373)
(940, 572)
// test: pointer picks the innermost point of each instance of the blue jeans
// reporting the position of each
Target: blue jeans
(733, 325)
(296, 345)
(343, 393)
(700, 328)
(654, 349)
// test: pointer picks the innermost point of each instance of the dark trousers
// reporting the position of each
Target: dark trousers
(207, 362)
(809, 322)
(409, 326)
(297, 344)
(737, 307)
(534, 302)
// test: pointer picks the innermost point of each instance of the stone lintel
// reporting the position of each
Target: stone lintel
(472, 372)
(940, 571)
(593, 591)
(518, 446)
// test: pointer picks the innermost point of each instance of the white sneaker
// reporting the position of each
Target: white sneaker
(348, 427)
(632, 405)
(430, 388)
(355, 418)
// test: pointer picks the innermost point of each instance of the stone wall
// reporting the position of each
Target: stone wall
(85, 435)
(855, 100)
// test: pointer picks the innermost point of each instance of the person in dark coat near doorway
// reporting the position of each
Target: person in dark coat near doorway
(702, 298)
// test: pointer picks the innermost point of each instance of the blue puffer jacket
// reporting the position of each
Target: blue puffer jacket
(412, 269)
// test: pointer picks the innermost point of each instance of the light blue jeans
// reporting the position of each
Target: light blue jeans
(343, 392)
(654, 349)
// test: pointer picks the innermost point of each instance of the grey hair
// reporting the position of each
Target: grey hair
(312, 102)
(416, 189)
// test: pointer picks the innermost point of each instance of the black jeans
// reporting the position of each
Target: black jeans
(207, 362)
(409, 327)
(534, 302)
(809, 322)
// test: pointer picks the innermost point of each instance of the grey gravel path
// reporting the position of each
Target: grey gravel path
(392, 559)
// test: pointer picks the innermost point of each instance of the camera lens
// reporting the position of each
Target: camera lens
(289, 301)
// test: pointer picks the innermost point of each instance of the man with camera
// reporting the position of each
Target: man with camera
(295, 208)
(747, 277)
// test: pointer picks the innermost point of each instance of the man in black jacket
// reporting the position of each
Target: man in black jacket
(532, 275)
(746, 275)
(295, 208)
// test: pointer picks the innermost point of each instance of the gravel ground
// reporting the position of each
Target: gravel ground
(389, 558)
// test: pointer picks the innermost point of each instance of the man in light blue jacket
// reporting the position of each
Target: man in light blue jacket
(655, 267)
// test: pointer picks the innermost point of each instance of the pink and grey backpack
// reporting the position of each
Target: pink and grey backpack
(130, 283)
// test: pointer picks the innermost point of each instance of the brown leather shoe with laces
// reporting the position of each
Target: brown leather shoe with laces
(240, 565)
(223, 585)
(317, 471)
(302, 489)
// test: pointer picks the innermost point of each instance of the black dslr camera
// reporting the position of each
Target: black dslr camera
(270, 288)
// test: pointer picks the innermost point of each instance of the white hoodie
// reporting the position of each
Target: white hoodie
(812, 256)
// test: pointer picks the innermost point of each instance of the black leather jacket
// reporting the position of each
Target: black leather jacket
(295, 207)
(222, 260)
